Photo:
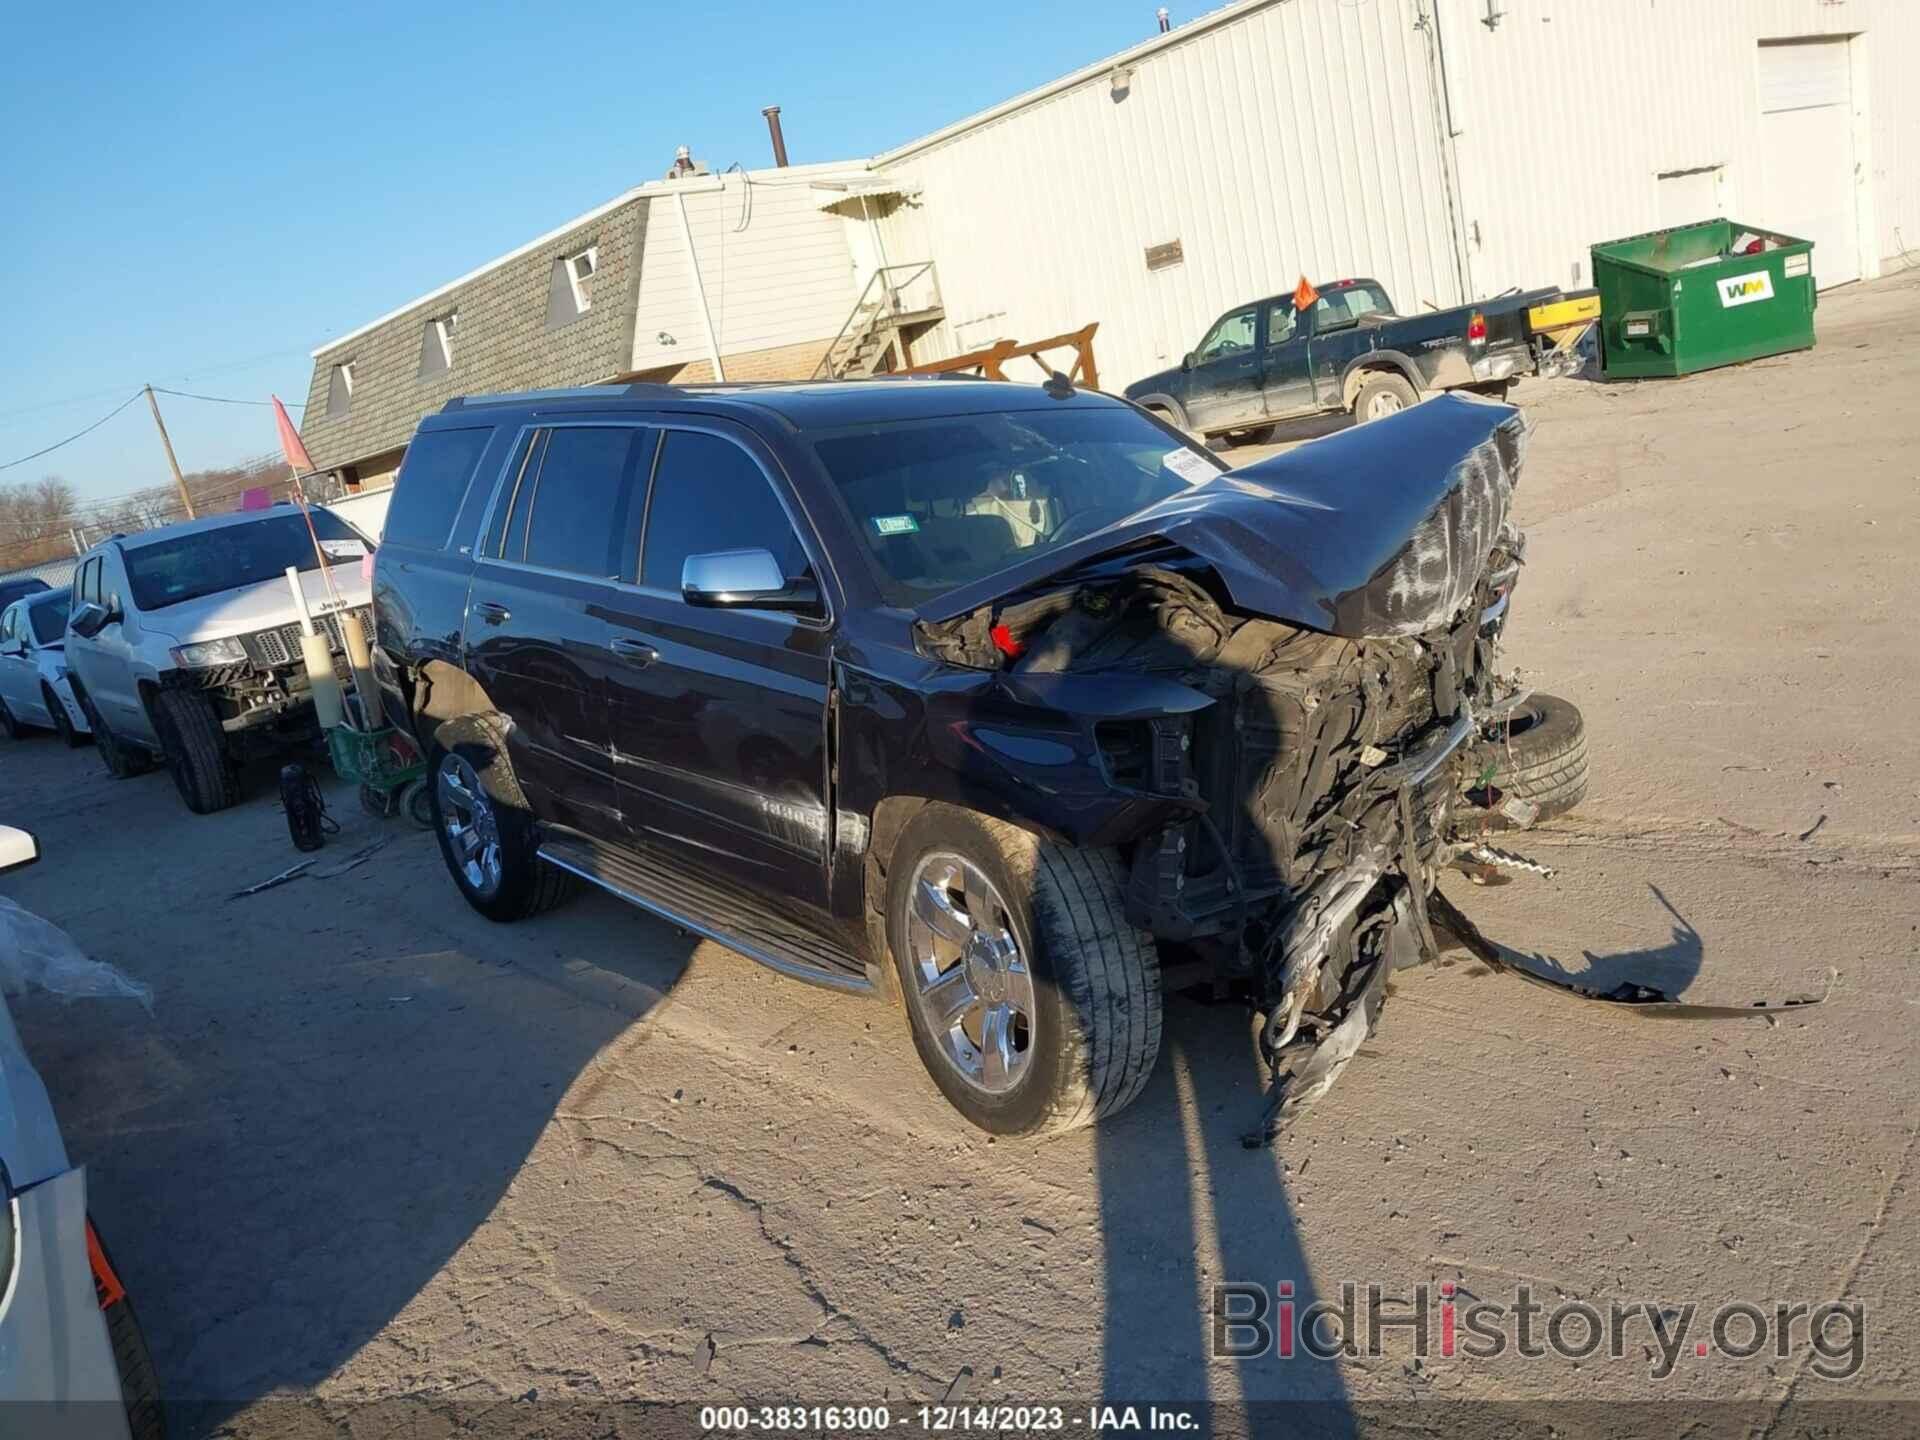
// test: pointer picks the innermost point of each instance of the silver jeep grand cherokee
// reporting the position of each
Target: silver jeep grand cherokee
(184, 642)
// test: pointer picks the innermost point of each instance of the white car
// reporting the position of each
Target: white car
(34, 690)
(73, 1360)
(184, 642)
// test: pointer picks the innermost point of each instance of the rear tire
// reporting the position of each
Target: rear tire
(487, 835)
(1093, 980)
(62, 724)
(1384, 393)
(123, 761)
(196, 751)
(1539, 755)
(9, 726)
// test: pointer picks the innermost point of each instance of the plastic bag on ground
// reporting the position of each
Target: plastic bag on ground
(36, 952)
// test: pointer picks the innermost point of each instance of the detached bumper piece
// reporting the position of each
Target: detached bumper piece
(1451, 926)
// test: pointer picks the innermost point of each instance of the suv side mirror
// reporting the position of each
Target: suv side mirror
(1186, 361)
(13, 647)
(90, 619)
(746, 580)
(17, 848)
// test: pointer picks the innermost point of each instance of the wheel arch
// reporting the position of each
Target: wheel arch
(1374, 362)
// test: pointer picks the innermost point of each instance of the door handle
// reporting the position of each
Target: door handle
(492, 613)
(638, 651)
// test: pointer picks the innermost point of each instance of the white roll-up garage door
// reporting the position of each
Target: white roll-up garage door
(1806, 144)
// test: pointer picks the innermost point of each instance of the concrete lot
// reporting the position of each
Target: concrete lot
(369, 1145)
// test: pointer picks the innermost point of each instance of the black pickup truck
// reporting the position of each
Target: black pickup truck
(1267, 361)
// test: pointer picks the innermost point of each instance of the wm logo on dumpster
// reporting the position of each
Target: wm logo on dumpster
(1745, 289)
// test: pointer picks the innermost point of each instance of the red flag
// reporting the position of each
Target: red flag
(296, 452)
(1303, 297)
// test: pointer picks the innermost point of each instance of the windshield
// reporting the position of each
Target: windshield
(49, 617)
(168, 572)
(941, 502)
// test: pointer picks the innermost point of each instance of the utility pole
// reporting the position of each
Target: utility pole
(178, 479)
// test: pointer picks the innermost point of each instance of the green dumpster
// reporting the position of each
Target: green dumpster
(1696, 296)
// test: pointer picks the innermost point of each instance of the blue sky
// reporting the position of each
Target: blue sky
(197, 195)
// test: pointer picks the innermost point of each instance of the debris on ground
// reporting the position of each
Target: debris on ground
(38, 953)
(292, 872)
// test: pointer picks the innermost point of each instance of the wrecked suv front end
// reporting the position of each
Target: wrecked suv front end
(1281, 679)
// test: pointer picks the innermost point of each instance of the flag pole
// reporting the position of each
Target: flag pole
(359, 658)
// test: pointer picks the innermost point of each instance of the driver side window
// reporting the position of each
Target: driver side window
(1230, 336)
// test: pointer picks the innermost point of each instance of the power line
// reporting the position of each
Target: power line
(198, 373)
(159, 389)
(76, 434)
(225, 399)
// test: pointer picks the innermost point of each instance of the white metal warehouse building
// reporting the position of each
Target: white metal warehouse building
(1449, 148)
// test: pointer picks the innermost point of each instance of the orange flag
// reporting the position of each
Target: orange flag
(1303, 296)
(296, 452)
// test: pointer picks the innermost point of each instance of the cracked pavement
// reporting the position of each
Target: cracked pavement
(370, 1146)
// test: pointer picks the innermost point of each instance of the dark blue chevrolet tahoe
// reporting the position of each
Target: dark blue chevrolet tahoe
(1010, 704)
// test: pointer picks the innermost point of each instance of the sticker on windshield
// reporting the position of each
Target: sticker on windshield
(1189, 467)
(895, 524)
(344, 549)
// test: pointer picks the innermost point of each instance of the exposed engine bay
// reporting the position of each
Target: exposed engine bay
(1326, 768)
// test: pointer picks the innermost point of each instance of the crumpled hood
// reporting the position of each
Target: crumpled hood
(1383, 529)
(258, 607)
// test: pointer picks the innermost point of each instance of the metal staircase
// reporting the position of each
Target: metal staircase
(899, 303)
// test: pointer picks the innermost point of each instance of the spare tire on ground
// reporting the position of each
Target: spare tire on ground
(1536, 755)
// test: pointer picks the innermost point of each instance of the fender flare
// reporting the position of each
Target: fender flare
(1161, 401)
(1354, 376)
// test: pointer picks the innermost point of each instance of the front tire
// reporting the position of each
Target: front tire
(1254, 435)
(195, 749)
(139, 1381)
(487, 835)
(1034, 1004)
(9, 726)
(1538, 754)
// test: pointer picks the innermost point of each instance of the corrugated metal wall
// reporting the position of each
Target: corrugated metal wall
(1277, 137)
(1287, 138)
(1568, 111)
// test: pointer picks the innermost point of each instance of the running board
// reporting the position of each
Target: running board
(739, 922)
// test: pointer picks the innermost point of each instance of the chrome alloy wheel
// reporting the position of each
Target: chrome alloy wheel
(1384, 404)
(971, 984)
(467, 815)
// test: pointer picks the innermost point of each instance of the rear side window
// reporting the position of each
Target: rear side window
(585, 515)
(709, 494)
(432, 484)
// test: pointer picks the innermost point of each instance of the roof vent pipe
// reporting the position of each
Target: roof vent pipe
(1166, 20)
(772, 112)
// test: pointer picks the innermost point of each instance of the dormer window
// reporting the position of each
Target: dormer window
(436, 345)
(340, 391)
(569, 292)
